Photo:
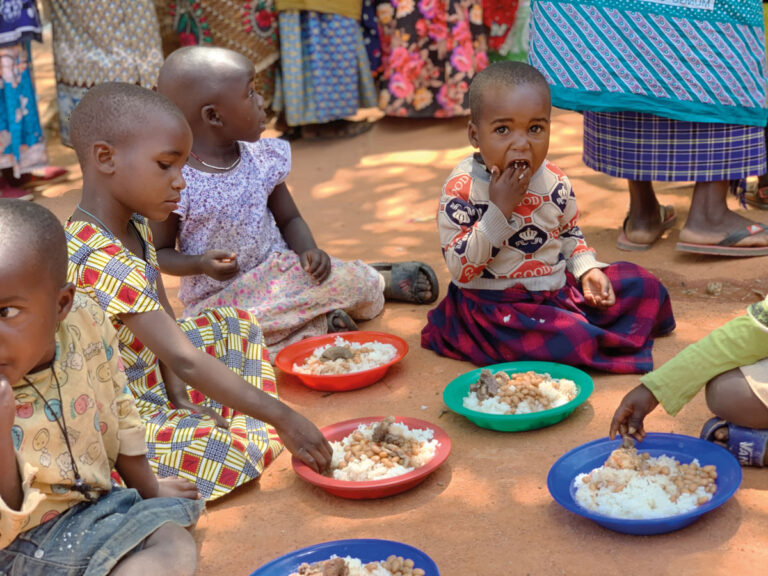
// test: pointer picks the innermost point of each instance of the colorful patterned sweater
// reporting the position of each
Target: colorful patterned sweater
(533, 248)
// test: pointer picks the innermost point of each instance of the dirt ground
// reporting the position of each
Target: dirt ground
(487, 510)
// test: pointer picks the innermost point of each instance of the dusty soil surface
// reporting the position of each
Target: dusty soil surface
(487, 510)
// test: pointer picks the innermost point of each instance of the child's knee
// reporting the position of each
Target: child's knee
(178, 546)
(730, 397)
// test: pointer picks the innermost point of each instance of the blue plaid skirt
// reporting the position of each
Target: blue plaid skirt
(89, 539)
(639, 146)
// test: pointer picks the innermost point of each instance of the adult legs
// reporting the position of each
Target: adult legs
(710, 220)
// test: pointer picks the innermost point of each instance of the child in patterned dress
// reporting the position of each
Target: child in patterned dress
(224, 428)
(525, 284)
(66, 420)
(242, 241)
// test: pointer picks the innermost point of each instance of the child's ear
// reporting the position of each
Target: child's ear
(210, 115)
(65, 299)
(103, 154)
(472, 134)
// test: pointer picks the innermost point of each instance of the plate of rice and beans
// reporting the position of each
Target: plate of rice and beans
(342, 361)
(663, 484)
(378, 456)
(517, 396)
(355, 557)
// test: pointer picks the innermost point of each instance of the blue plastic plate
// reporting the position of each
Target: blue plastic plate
(458, 389)
(366, 549)
(586, 457)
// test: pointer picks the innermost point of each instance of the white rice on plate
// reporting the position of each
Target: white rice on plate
(362, 356)
(638, 486)
(519, 393)
(405, 449)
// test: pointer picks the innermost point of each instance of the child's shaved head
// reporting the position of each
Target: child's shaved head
(114, 112)
(503, 74)
(33, 236)
(196, 76)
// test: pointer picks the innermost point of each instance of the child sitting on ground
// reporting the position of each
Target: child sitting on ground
(66, 419)
(242, 241)
(731, 361)
(525, 285)
(131, 144)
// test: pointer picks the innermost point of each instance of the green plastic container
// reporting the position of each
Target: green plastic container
(458, 388)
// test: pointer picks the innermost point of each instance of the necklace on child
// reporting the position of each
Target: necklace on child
(84, 211)
(80, 486)
(223, 168)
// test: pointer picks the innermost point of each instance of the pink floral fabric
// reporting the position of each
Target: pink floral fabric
(229, 211)
(431, 51)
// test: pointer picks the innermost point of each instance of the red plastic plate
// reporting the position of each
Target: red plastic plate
(375, 488)
(298, 352)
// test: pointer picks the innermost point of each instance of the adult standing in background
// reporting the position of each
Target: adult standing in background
(672, 90)
(324, 75)
(431, 51)
(97, 41)
(23, 158)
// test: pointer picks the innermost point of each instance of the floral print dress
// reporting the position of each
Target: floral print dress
(431, 51)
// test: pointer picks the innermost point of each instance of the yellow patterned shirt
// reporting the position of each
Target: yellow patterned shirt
(100, 414)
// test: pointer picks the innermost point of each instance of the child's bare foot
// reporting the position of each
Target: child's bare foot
(340, 321)
(749, 445)
(408, 282)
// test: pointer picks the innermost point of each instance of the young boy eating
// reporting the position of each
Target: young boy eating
(66, 419)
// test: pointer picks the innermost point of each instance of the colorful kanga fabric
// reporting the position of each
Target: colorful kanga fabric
(431, 51)
(180, 443)
(491, 326)
(324, 70)
(693, 60)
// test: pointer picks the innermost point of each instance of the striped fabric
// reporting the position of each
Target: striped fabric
(705, 63)
(180, 443)
(646, 147)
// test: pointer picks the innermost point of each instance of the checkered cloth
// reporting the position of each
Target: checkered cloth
(490, 326)
(639, 146)
(180, 443)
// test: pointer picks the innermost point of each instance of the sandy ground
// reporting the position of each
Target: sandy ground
(487, 510)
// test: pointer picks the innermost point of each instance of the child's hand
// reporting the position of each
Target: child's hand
(316, 263)
(597, 289)
(176, 488)
(305, 441)
(509, 186)
(7, 406)
(629, 416)
(219, 264)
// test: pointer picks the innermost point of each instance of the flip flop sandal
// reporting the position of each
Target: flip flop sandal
(340, 321)
(726, 246)
(668, 219)
(748, 445)
(404, 278)
(757, 198)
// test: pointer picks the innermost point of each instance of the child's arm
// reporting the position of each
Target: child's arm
(469, 237)
(297, 233)
(740, 342)
(10, 480)
(160, 333)
(579, 257)
(218, 264)
(136, 473)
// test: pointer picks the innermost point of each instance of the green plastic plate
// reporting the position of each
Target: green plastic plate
(458, 388)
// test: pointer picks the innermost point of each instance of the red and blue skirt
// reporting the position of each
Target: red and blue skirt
(491, 326)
